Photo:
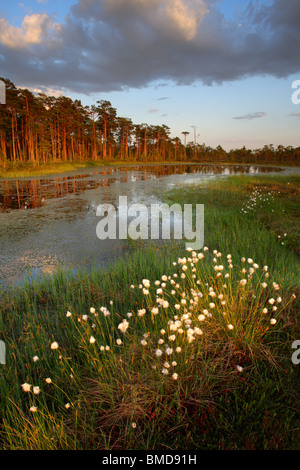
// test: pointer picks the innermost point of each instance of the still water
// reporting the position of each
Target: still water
(46, 222)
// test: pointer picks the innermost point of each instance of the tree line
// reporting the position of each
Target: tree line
(42, 129)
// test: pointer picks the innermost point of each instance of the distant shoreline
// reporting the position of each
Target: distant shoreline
(26, 170)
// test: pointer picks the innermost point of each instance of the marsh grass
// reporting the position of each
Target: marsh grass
(23, 170)
(28, 169)
(226, 387)
(236, 217)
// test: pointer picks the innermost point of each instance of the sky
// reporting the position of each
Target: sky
(222, 70)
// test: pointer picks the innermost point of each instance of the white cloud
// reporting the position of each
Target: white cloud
(35, 29)
(110, 45)
(185, 17)
(45, 90)
(170, 17)
(250, 116)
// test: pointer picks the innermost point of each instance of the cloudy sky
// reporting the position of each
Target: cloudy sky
(222, 70)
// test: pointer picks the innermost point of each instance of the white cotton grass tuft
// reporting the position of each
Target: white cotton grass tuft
(26, 387)
(190, 300)
(178, 317)
(123, 326)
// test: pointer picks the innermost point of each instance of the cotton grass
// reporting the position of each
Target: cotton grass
(221, 310)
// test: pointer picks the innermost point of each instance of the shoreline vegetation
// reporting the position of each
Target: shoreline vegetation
(39, 133)
(27, 170)
(167, 348)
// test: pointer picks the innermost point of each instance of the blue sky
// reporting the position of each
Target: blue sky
(225, 67)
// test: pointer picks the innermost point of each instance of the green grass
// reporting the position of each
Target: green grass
(258, 215)
(119, 398)
(28, 169)
(23, 170)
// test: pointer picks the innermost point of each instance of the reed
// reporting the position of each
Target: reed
(165, 348)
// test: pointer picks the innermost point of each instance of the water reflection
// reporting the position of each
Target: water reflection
(32, 193)
(62, 228)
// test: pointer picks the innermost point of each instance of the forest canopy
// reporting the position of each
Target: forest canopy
(42, 129)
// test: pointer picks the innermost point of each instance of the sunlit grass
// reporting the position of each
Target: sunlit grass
(27, 169)
(167, 348)
(82, 376)
(20, 170)
(236, 217)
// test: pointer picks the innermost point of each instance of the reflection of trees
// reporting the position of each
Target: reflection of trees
(20, 194)
(41, 129)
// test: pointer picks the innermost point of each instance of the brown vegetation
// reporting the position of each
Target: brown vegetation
(43, 129)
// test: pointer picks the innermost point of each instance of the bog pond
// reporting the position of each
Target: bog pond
(51, 221)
